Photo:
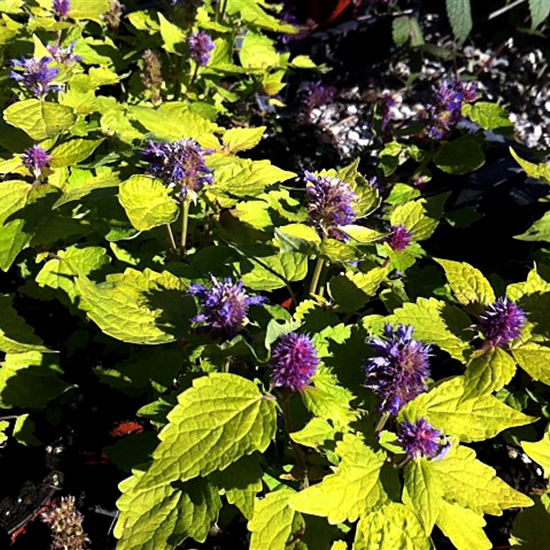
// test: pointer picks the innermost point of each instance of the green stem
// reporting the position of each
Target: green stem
(296, 449)
(222, 11)
(316, 276)
(184, 225)
(172, 239)
(193, 77)
(382, 421)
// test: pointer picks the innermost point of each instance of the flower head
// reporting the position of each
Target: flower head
(293, 361)
(318, 94)
(200, 46)
(501, 322)
(65, 56)
(61, 8)
(65, 522)
(180, 163)
(36, 75)
(330, 205)
(399, 238)
(398, 371)
(224, 305)
(420, 439)
(388, 103)
(35, 159)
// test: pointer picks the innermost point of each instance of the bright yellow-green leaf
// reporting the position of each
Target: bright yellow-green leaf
(534, 284)
(489, 116)
(469, 419)
(138, 307)
(540, 451)
(533, 355)
(271, 272)
(437, 323)
(463, 527)
(72, 152)
(423, 491)
(271, 524)
(414, 216)
(88, 9)
(241, 139)
(339, 545)
(353, 290)
(40, 119)
(474, 485)
(258, 52)
(468, 285)
(172, 35)
(253, 12)
(297, 237)
(392, 527)
(314, 434)
(361, 234)
(353, 491)
(539, 231)
(540, 172)
(531, 528)
(488, 371)
(147, 202)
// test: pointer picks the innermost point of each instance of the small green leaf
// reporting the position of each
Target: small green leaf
(461, 156)
(297, 237)
(489, 116)
(172, 35)
(88, 9)
(362, 234)
(540, 172)
(474, 485)
(147, 202)
(258, 52)
(393, 526)
(353, 290)
(460, 17)
(533, 355)
(74, 151)
(353, 491)
(540, 9)
(271, 524)
(417, 218)
(531, 528)
(241, 139)
(539, 231)
(40, 119)
(272, 272)
(469, 286)
(314, 434)
(406, 29)
(540, 452)
(453, 519)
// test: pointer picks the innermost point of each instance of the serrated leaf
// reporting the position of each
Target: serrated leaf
(15, 335)
(460, 18)
(540, 9)
(539, 452)
(538, 231)
(271, 524)
(533, 355)
(72, 152)
(534, 283)
(415, 217)
(272, 272)
(161, 519)
(351, 291)
(462, 155)
(475, 419)
(531, 528)
(452, 520)
(314, 433)
(423, 491)
(297, 237)
(474, 485)
(468, 285)
(147, 202)
(172, 35)
(540, 172)
(40, 119)
(489, 116)
(393, 526)
(361, 234)
(138, 307)
(241, 139)
(353, 491)
(406, 29)
(488, 371)
(437, 323)
(30, 380)
(258, 52)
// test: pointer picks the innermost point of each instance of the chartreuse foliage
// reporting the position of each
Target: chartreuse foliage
(145, 244)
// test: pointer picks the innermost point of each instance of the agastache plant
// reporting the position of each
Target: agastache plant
(200, 45)
(61, 8)
(293, 361)
(399, 238)
(36, 75)
(65, 522)
(501, 322)
(224, 306)
(36, 159)
(398, 371)
(65, 56)
(421, 439)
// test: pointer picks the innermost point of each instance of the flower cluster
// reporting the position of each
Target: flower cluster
(180, 163)
(200, 45)
(330, 205)
(293, 361)
(61, 8)
(151, 74)
(35, 159)
(224, 306)
(65, 56)
(501, 322)
(398, 371)
(399, 238)
(446, 110)
(317, 95)
(65, 522)
(387, 105)
(420, 439)
(37, 76)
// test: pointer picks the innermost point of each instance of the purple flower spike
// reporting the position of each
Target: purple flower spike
(330, 205)
(399, 238)
(398, 371)
(200, 46)
(293, 361)
(502, 322)
(65, 56)
(61, 8)
(224, 306)
(36, 76)
(180, 163)
(420, 439)
(35, 159)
